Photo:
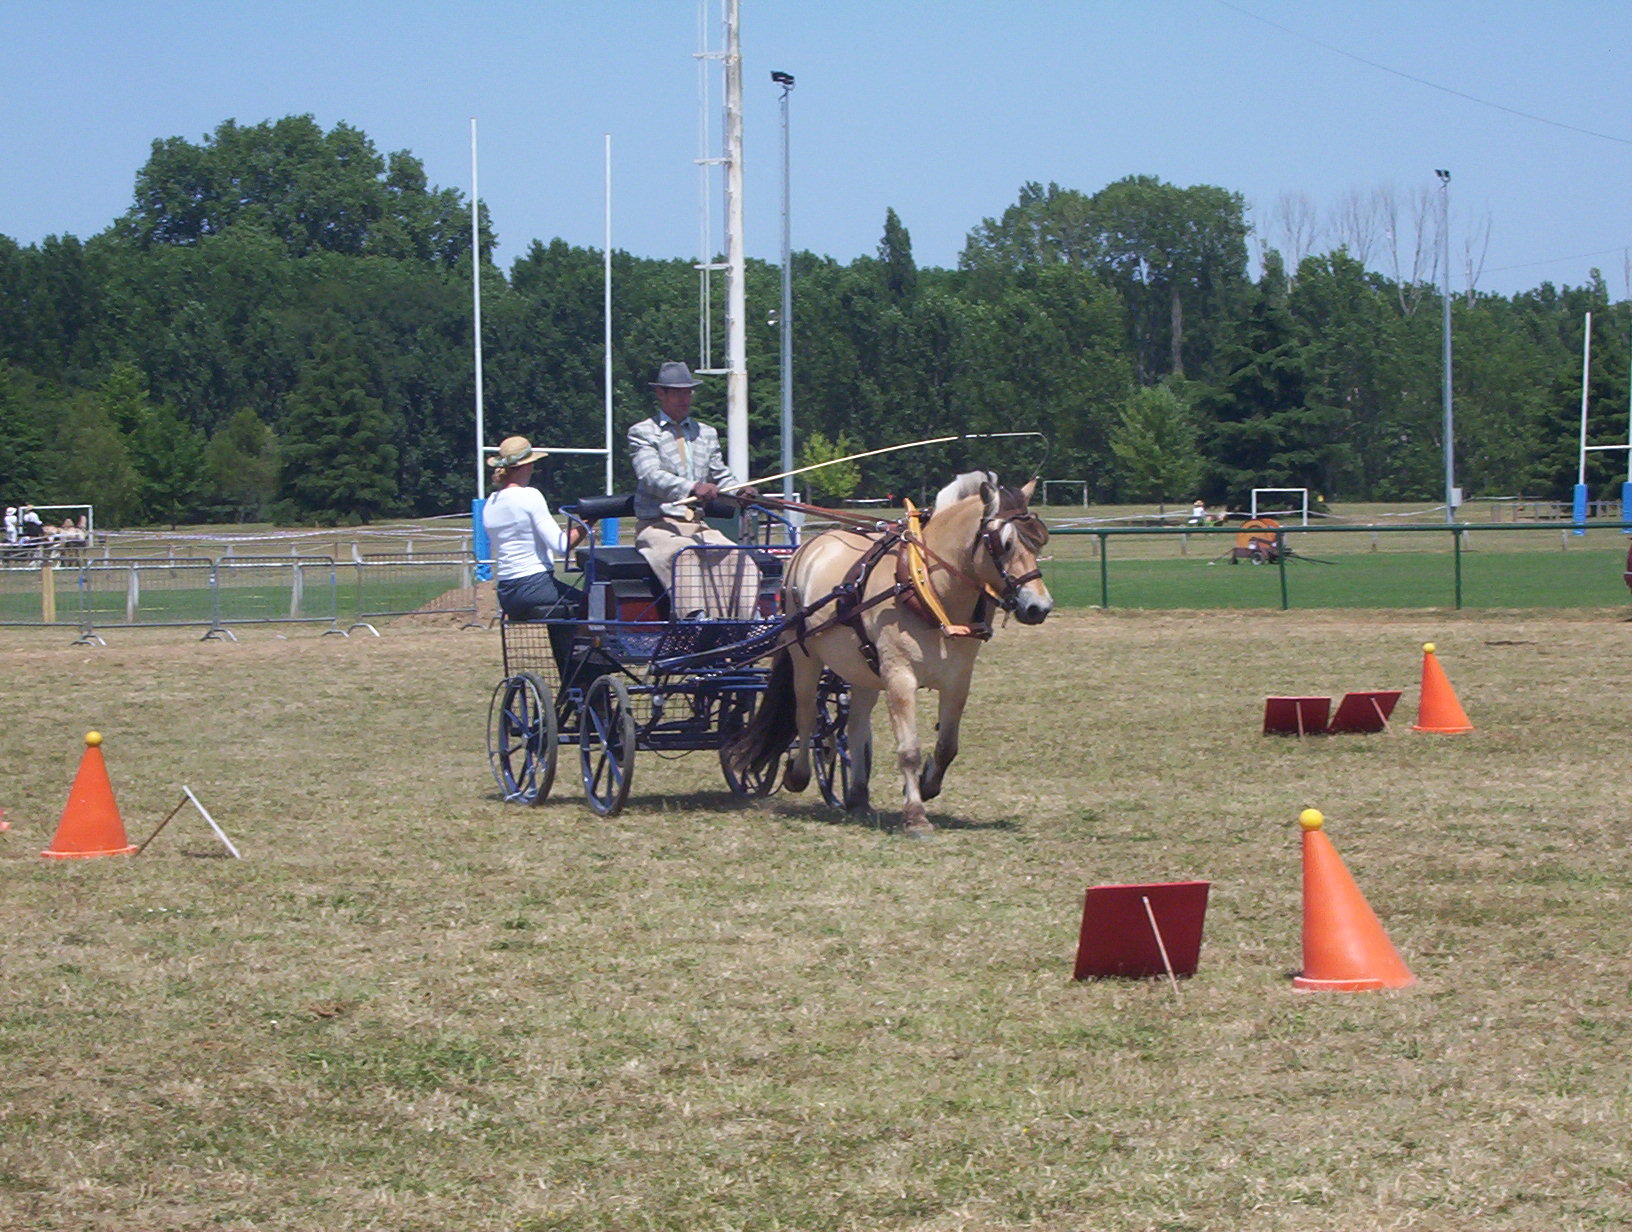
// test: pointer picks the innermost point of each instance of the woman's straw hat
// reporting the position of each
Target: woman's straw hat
(516, 451)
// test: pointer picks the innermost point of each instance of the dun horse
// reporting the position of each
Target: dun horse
(887, 632)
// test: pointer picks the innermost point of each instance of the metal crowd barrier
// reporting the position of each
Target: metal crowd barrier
(275, 590)
(406, 584)
(38, 595)
(128, 594)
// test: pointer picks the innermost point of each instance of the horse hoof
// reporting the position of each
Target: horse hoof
(919, 830)
(795, 782)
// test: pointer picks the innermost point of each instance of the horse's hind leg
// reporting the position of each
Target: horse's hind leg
(953, 699)
(902, 696)
(807, 676)
(859, 738)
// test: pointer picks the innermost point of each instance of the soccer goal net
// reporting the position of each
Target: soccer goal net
(1075, 492)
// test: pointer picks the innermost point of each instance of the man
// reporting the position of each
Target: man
(678, 470)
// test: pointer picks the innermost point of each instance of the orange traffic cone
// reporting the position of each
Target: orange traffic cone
(1344, 946)
(1438, 710)
(90, 824)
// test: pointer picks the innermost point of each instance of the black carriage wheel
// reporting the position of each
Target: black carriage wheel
(735, 712)
(522, 738)
(831, 754)
(606, 744)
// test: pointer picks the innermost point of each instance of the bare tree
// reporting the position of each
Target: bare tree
(1356, 221)
(1475, 248)
(1296, 225)
(1410, 225)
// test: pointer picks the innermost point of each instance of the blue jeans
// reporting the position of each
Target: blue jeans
(538, 597)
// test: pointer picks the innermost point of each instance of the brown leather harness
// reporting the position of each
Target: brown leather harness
(912, 586)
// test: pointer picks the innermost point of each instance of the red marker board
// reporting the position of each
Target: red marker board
(1117, 938)
(1365, 711)
(1296, 716)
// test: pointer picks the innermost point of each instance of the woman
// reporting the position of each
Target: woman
(525, 540)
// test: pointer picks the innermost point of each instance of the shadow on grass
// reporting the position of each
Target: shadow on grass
(813, 807)
(791, 806)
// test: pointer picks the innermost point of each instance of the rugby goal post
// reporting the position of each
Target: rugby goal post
(1301, 493)
(1079, 486)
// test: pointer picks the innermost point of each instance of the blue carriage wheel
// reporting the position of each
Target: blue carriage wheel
(522, 738)
(606, 744)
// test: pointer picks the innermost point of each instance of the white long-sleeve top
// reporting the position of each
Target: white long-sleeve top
(521, 532)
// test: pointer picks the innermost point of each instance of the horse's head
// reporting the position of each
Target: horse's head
(1006, 543)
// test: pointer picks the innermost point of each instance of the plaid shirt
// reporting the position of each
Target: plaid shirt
(669, 458)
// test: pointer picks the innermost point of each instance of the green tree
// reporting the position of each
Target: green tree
(1259, 428)
(169, 458)
(92, 465)
(339, 444)
(899, 270)
(28, 411)
(243, 466)
(835, 482)
(313, 191)
(1154, 440)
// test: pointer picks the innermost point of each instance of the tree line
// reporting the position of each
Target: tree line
(280, 328)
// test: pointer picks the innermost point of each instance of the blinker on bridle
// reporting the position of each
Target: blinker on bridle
(1032, 531)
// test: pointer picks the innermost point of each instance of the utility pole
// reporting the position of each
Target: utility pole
(736, 299)
(1445, 296)
(785, 318)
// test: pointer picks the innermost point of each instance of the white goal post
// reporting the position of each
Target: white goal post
(1080, 486)
(1302, 494)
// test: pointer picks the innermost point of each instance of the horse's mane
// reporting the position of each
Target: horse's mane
(964, 486)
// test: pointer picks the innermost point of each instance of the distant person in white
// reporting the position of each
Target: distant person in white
(525, 539)
(11, 523)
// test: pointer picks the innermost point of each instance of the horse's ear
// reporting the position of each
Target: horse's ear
(991, 497)
(1029, 489)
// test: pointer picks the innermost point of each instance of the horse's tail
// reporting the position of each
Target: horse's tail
(755, 750)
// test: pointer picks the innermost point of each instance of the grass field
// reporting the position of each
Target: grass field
(413, 1007)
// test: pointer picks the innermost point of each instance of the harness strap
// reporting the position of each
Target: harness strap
(921, 600)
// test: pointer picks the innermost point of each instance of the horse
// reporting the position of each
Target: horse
(978, 547)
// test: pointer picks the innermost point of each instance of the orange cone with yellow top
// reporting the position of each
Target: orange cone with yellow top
(1344, 946)
(90, 824)
(1438, 710)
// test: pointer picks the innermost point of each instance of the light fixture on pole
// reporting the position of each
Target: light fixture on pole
(1451, 493)
(785, 317)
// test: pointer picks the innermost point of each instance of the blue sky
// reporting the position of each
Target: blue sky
(939, 109)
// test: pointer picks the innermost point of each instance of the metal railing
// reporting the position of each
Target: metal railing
(1487, 565)
(405, 584)
(158, 593)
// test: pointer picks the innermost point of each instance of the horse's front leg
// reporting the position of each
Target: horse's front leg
(901, 695)
(954, 696)
(807, 675)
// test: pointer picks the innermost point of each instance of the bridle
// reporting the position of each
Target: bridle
(1030, 530)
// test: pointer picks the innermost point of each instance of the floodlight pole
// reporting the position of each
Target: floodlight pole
(1579, 503)
(736, 326)
(1445, 296)
(785, 80)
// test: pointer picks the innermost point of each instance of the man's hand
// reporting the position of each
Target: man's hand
(705, 491)
(745, 496)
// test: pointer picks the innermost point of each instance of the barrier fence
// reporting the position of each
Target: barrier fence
(404, 584)
(1488, 565)
(1482, 565)
(157, 593)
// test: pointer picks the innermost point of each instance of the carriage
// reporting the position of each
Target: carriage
(643, 670)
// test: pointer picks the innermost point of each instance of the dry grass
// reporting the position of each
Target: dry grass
(411, 1006)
